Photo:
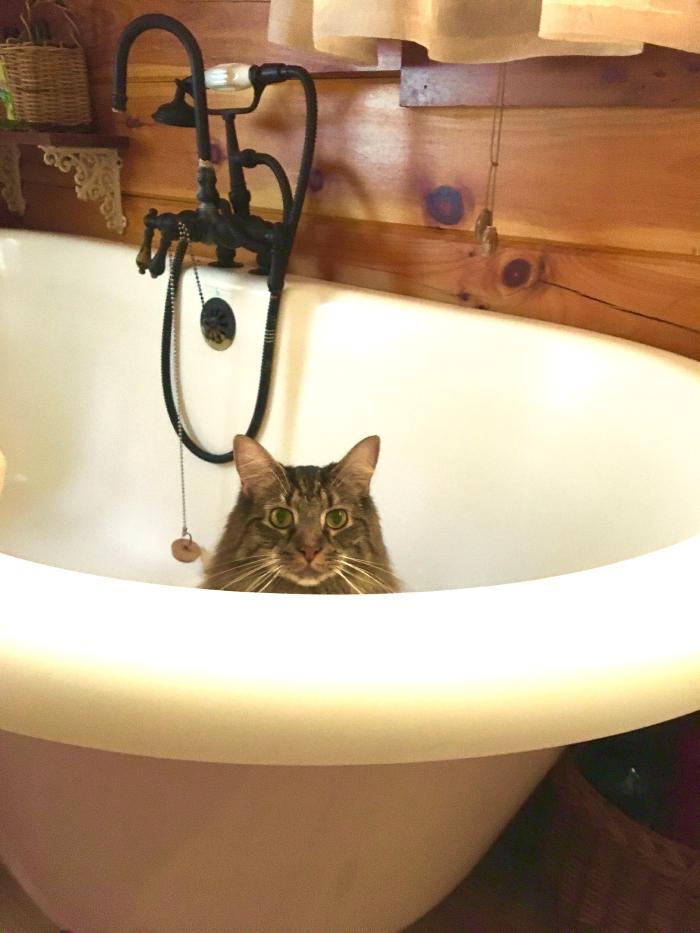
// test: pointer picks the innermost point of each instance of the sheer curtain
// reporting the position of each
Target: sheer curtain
(486, 30)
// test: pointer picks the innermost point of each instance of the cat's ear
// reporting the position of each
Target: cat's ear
(356, 469)
(261, 475)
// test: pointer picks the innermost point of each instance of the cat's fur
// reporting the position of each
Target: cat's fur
(308, 556)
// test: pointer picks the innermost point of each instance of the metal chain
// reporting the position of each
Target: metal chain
(184, 234)
(484, 229)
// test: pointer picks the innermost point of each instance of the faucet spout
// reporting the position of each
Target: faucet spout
(161, 21)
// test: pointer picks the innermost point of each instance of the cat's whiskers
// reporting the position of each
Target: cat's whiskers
(232, 568)
(349, 582)
(351, 563)
(381, 569)
(362, 560)
(350, 566)
(258, 570)
(265, 576)
(270, 581)
(239, 561)
(232, 584)
(370, 584)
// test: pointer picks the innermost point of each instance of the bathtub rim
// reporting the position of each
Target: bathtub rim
(381, 719)
(322, 698)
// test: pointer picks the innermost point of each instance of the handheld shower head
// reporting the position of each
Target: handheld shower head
(178, 112)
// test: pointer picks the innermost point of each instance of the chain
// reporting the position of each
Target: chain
(484, 229)
(184, 234)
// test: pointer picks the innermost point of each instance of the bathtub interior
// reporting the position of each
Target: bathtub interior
(511, 449)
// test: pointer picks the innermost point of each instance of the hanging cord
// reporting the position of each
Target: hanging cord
(485, 229)
(496, 132)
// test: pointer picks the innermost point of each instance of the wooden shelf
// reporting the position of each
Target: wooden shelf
(63, 138)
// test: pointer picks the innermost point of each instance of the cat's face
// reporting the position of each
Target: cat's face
(311, 523)
(310, 527)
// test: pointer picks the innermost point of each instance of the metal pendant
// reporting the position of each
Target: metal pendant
(489, 241)
(483, 222)
(185, 549)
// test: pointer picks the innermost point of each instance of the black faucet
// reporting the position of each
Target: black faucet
(228, 224)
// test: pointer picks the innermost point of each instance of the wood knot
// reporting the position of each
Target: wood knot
(516, 273)
(445, 205)
(317, 179)
(217, 152)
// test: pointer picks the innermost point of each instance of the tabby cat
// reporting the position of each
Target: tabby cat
(303, 529)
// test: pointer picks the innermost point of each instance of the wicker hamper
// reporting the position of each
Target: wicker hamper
(47, 80)
(612, 874)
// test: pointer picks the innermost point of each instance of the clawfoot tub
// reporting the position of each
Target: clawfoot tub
(175, 759)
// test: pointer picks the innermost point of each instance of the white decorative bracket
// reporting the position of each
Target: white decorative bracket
(10, 182)
(96, 177)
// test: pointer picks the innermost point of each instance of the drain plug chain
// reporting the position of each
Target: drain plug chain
(184, 548)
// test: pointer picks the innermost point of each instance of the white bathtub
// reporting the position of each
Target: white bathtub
(176, 759)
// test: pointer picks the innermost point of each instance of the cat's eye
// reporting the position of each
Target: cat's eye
(281, 518)
(336, 518)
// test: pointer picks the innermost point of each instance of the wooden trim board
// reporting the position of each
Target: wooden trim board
(659, 77)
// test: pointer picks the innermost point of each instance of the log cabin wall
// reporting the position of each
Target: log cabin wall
(598, 208)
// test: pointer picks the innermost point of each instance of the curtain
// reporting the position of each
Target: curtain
(486, 30)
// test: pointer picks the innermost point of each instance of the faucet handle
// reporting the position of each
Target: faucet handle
(168, 224)
(143, 259)
(157, 264)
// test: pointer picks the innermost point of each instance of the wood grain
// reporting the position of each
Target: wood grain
(624, 178)
(641, 297)
(658, 77)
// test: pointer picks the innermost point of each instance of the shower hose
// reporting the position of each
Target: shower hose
(273, 305)
(166, 375)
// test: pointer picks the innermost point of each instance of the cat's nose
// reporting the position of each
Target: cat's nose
(309, 551)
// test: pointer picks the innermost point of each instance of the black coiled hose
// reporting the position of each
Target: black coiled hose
(273, 307)
(165, 369)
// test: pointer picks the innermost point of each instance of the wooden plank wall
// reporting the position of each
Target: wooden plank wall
(598, 208)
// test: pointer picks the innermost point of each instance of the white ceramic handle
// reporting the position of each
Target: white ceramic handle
(234, 76)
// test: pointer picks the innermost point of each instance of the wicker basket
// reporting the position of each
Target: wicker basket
(48, 81)
(613, 875)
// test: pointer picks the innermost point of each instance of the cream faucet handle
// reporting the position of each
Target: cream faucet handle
(232, 76)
